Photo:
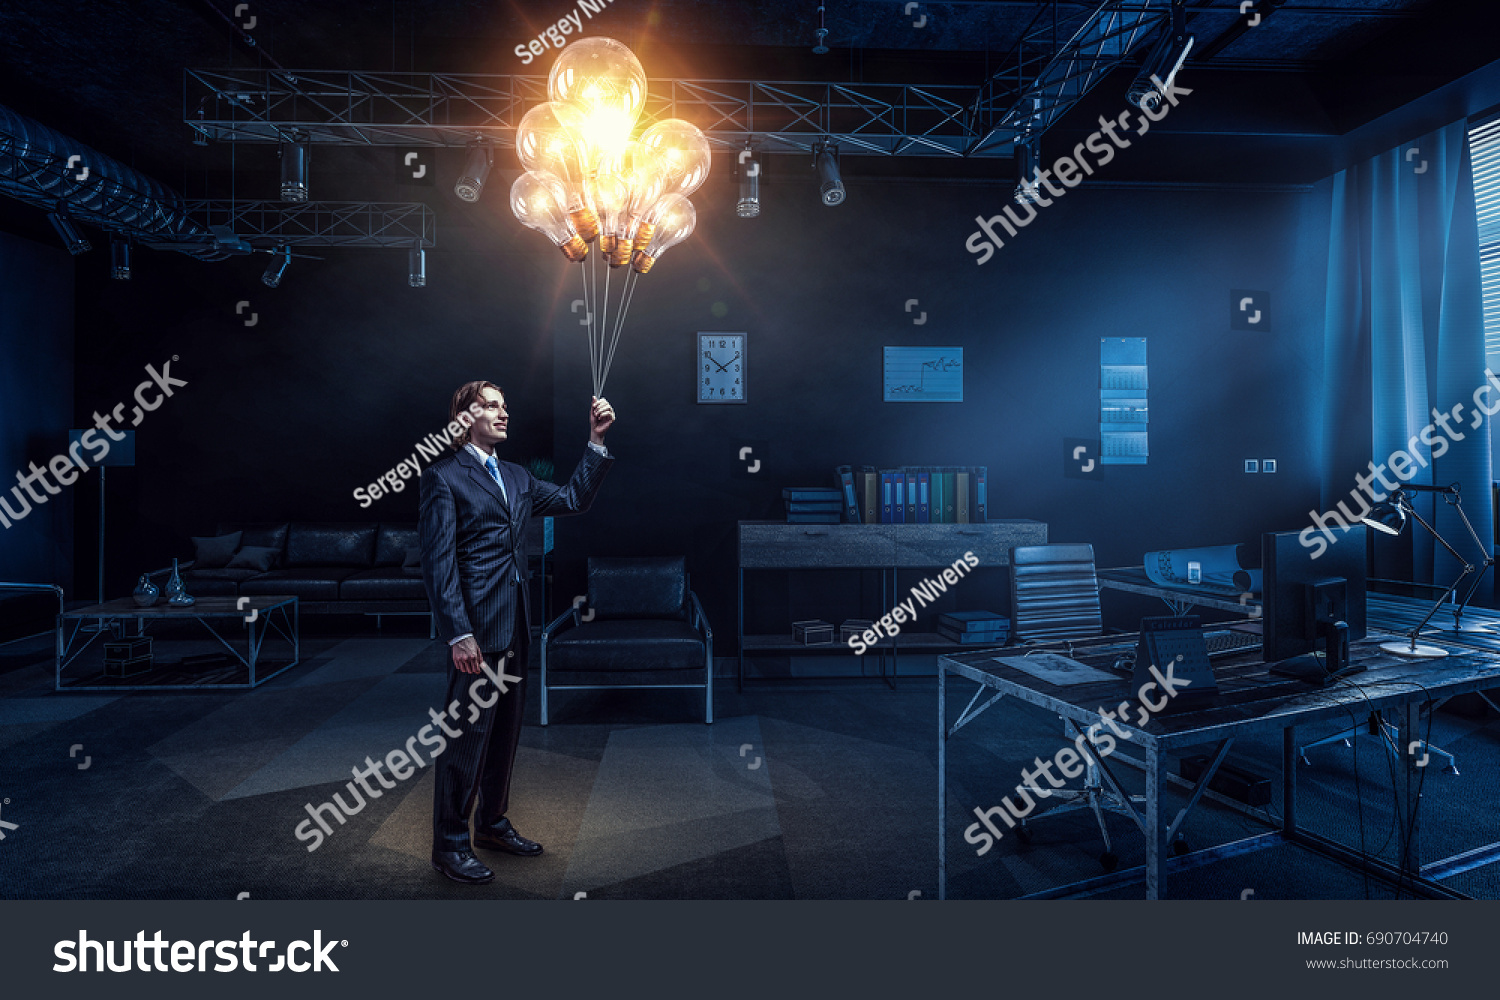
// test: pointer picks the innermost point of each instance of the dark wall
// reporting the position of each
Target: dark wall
(346, 367)
(36, 407)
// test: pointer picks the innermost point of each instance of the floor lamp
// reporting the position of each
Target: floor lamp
(1390, 517)
(120, 453)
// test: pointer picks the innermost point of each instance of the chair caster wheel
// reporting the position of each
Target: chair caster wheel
(1109, 861)
(1023, 834)
(1180, 846)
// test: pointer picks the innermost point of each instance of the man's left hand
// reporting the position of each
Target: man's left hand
(601, 416)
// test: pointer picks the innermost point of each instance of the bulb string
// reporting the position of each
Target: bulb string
(589, 318)
(627, 295)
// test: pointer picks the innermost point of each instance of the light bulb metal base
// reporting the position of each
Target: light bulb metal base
(585, 222)
(575, 249)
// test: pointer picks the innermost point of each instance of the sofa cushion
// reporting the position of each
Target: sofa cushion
(639, 587)
(266, 535)
(350, 546)
(257, 558)
(305, 583)
(413, 561)
(626, 645)
(392, 542)
(215, 552)
(215, 582)
(384, 583)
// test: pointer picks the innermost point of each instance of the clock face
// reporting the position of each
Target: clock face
(721, 368)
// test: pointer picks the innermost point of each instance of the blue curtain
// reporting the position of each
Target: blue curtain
(1404, 342)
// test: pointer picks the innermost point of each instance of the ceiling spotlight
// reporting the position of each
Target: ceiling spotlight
(280, 258)
(822, 33)
(67, 232)
(417, 263)
(119, 259)
(294, 157)
(1026, 192)
(1165, 59)
(830, 185)
(749, 205)
(471, 182)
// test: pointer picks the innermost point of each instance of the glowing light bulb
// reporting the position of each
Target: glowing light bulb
(675, 219)
(640, 171)
(539, 200)
(605, 81)
(682, 160)
(611, 196)
(547, 142)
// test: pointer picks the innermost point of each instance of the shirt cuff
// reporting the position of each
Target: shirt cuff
(600, 449)
(466, 635)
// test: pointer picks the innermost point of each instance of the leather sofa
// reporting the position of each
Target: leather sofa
(645, 628)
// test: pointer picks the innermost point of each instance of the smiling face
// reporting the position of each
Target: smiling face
(489, 429)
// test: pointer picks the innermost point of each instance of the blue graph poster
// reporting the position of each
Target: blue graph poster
(924, 374)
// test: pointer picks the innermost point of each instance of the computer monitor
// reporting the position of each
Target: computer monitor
(1312, 605)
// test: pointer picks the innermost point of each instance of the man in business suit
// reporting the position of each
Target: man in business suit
(474, 511)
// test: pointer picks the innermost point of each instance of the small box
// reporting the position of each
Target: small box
(130, 648)
(813, 633)
(127, 668)
(853, 627)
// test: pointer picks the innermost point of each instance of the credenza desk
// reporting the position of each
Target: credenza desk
(890, 548)
(1250, 701)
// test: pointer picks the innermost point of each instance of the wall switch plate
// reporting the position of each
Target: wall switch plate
(1251, 465)
(1268, 465)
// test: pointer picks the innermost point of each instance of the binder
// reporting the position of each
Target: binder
(871, 494)
(911, 494)
(846, 483)
(898, 508)
(950, 486)
(981, 508)
(924, 509)
(936, 482)
(887, 488)
(961, 497)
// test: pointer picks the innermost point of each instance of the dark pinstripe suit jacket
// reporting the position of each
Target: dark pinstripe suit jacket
(474, 543)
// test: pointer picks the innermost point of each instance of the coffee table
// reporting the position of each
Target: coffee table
(260, 618)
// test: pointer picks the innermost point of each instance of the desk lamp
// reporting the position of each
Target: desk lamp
(1390, 517)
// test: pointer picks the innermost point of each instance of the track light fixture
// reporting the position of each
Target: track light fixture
(416, 275)
(830, 184)
(280, 258)
(470, 183)
(1163, 62)
(72, 239)
(822, 33)
(294, 161)
(1026, 192)
(119, 259)
(749, 204)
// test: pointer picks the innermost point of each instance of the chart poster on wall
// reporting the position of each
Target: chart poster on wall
(1122, 401)
(924, 374)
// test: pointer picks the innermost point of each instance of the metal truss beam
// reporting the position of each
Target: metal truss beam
(435, 109)
(1061, 56)
(267, 224)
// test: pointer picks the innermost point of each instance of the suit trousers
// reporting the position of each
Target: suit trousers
(477, 764)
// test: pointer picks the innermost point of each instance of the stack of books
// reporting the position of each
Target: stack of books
(914, 494)
(980, 628)
(812, 505)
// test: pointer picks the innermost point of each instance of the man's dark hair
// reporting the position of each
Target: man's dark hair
(467, 393)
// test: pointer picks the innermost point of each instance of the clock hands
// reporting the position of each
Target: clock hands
(725, 366)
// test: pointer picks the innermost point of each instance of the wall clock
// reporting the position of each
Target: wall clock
(721, 368)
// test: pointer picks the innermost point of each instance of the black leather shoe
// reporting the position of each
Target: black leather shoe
(461, 866)
(504, 837)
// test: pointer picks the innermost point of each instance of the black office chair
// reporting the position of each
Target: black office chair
(644, 628)
(1054, 595)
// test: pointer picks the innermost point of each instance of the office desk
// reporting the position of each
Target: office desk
(1250, 700)
(1181, 600)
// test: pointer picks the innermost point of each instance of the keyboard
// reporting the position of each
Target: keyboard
(1222, 642)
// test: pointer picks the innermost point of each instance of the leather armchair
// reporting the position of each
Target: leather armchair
(644, 629)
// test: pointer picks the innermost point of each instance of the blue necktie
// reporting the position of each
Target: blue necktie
(494, 468)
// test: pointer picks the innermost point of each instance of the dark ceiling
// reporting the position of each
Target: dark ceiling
(110, 72)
